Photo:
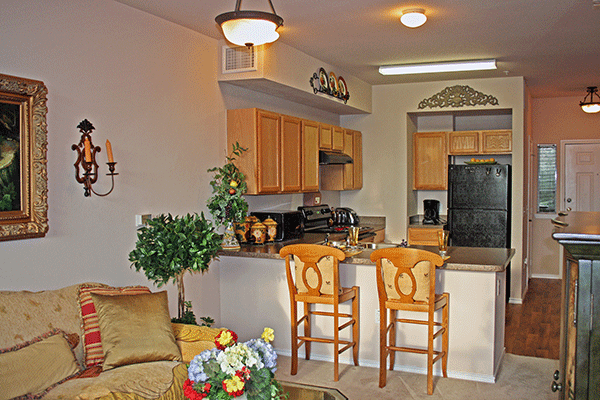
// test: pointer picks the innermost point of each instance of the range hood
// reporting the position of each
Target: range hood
(331, 158)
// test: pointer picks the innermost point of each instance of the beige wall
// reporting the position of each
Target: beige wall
(386, 156)
(147, 85)
(553, 120)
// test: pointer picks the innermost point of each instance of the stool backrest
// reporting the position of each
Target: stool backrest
(316, 268)
(406, 275)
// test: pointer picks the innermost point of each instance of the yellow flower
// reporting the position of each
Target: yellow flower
(233, 385)
(225, 338)
(233, 183)
(268, 335)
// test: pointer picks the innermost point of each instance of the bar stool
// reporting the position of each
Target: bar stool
(315, 280)
(406, 281)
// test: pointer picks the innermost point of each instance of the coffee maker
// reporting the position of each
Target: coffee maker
(431, 211)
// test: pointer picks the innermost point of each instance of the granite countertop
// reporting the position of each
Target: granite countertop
(461, 258)
(416, 221)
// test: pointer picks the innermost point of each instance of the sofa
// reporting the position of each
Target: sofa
(93, 341)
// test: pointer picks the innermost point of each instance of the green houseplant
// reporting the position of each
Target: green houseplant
(227, 205)
(169, 246)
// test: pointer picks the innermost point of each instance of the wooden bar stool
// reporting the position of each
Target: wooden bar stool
(315, 280)
(406, 281)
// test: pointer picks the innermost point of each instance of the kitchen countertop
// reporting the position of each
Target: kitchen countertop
(461, 258)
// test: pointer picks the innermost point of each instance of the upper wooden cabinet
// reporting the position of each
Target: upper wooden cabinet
(291, 154)
(331, 138)
(480, 142)
(430, 161)
(310, 156)
(337, 140)
(347, 176)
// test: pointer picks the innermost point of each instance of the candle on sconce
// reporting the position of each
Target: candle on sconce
(88, 151)
(109, 151)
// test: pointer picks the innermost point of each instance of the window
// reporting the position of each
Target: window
(546, 187)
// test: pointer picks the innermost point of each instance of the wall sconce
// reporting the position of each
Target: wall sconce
(86, 158)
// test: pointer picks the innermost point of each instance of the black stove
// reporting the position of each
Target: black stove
(319, 219)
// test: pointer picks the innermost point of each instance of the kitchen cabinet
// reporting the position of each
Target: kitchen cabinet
(268, 152)
(480, 142)
(310, 156)
(423, 236)
(331, 138)
(291, 154)
(430, 161)
(578, 376)
(347, 176)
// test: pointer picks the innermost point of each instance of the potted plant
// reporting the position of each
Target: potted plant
(227, 205)
(169, 246)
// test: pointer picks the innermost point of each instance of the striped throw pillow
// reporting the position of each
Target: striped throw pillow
(91, 329)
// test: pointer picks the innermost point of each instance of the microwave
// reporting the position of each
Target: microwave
(289, 223)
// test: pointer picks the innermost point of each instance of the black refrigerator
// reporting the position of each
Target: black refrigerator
(479, 198)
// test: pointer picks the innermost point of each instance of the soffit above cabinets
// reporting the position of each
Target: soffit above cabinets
(281, 71)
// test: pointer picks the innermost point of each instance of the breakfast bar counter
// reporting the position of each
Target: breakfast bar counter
(254, 294)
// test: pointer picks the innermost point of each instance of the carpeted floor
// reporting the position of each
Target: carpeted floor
(520, 377)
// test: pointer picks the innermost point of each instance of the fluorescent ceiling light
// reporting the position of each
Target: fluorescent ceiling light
(451, 66)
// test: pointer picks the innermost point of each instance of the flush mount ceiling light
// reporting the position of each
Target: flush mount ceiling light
(591, 106)
(451, 66)
(413, 17)
(250, 28)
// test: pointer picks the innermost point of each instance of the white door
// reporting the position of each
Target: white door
(582, 176)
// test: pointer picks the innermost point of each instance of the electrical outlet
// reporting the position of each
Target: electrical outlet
(141, 220)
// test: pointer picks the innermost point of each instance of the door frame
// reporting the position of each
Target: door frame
(563, 165)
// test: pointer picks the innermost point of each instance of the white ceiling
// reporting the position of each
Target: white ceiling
(554, 44)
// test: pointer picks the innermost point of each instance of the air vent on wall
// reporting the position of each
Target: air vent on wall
(238, 59)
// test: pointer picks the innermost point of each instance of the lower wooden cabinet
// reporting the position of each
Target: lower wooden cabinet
(423, 236)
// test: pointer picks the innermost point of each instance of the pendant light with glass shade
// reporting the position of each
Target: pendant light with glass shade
(590, 106)
(250, 28)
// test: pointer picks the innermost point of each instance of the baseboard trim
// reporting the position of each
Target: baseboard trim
(416, 370)
(546, 276)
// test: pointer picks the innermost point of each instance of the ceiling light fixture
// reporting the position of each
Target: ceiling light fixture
(451, 66)
(591, 106)
(413, 17)
(250, 28)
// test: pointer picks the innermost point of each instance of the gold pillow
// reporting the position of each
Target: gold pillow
(36, 366)
(135, 329)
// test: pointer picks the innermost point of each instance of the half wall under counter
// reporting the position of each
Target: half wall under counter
(254, 294)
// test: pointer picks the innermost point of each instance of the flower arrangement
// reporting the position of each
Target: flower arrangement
(233, 369)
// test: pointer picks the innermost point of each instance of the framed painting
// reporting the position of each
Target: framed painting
(23, 148)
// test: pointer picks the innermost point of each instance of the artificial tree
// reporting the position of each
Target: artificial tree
(169, 246)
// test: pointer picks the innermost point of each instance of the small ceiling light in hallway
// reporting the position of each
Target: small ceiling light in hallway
(413, 17)
(590, 106)
(250, 28)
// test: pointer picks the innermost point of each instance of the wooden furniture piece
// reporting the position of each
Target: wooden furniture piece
(430, 161)
(315, 280)
(578, 376)
(497, 141)
(406, 282)
(348, 176)
(423, 236)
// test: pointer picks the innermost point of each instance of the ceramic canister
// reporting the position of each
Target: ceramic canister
(259, 233)
(271, 229)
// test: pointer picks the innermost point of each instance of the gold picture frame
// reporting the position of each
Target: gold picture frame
(23, 164)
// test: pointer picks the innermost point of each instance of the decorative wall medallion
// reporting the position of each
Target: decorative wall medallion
(330, 85)
(458, 96)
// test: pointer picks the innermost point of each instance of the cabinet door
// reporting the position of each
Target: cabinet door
(496, 142)
(325, 136)
(337, 139)
(463, 142)
(291, 154)
(430, 161)
(310, 156)
(268, 151)
(423, 236)
(357, 157)
(348, 168)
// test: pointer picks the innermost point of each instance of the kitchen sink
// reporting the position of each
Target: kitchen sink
(374, 246)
